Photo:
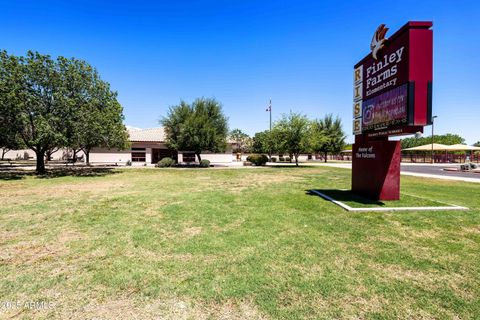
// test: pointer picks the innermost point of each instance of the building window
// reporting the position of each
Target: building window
(188, 157)
(138, 156)
(138, 149)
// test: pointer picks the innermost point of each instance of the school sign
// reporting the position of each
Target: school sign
(392, 95)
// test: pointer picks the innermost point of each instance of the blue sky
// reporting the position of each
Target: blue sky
(299, 53)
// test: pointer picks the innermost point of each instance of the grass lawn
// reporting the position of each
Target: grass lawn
(233, 244)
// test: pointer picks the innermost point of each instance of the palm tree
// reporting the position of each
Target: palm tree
(327, 135)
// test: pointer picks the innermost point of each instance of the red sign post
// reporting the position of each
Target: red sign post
(392, 96)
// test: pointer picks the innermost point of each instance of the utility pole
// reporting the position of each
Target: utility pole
(433, 123)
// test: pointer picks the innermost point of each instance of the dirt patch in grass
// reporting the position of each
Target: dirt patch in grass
(423, 234)
(234, 311)
(229, 226)
(474, 230)
(7, 236)
(61, 190)
(254, 180)
(358, 306)
(428, 280)
(191, 232)
(30, 252)
(127, 307)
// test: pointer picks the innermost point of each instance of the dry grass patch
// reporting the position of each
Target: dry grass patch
(229, 226)
(61, 190)
(254, 180)
(361, 305)
(36, 251)
(191, 232)
(430, 280)
(126, 308)
(471, 230)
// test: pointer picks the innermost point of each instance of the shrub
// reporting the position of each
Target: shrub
(258, 159)
(287, 159)
(204, 163)
(129, 163)
(274, 159)
(281, 159)
(165, 163)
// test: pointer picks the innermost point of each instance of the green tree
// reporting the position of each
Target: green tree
(477, 144)
(7, 130)
(259, 142)
(9, 138)
(413, 142)
(105, 129)
(242, 141)
(31, 88)
(93, 115)
(77, 86)
(447, 139)
(263, 142)
(58, 103)
(327, 136)
(291, 134)
(198, 127)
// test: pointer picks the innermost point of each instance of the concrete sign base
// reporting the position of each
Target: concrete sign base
(376, 168)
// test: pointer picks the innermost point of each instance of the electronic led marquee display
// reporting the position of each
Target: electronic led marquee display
(385, 110)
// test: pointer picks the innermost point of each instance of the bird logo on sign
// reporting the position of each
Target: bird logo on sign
(378, 40)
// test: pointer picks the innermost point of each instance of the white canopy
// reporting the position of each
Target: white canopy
(428, 147)
(443, 147)
(462, 147)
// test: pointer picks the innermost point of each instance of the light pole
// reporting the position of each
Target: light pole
(433, 125)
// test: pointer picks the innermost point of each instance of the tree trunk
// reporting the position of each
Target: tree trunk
(74, 157)
(87, 156)
(326, 154)
(4, 150)
(199, 157)
(40, 162)
(296, 160)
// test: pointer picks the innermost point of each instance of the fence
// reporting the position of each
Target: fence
(440, 158)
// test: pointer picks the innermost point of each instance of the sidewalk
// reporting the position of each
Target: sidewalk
(436, 176)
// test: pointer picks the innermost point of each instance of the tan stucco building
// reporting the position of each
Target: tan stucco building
(148, 147)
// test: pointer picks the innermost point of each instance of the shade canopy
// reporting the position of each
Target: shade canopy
(428, 147)
(462, 147)
(443, 147)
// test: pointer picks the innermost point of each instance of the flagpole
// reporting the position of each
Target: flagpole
(270, 109)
